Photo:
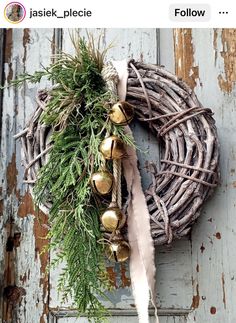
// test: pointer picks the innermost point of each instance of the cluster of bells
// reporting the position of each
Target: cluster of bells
(113, 219)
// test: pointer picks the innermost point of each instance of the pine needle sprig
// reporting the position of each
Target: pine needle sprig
(77, 113)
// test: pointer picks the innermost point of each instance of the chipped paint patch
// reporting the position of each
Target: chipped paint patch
(22, 264)
(202, 248)
(213, 310)
(112, 276)
(126, 282)
(26, 206)
(1, 206)
(12, 293)
(223, 289)
(26, 40)
(196, 299)
(41, 242)
(217, 235)
(215, 37)
(185, 67)
(228, 53)
(8, 53)
(11, 175)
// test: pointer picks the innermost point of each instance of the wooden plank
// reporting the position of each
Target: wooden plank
(206, 60)
(125, 319)
(2, 40)
(216, 231)
(174, 289)
(21, 263)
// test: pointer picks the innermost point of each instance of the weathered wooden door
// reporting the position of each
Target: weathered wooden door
(196, 276)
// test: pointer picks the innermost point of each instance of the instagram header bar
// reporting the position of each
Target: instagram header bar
(105, 14)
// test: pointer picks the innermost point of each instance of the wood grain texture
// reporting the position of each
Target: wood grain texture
(184, 49)
(126, 319)
(21, 233)
(213, 257)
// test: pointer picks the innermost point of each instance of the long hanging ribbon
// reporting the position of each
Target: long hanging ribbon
(142, 262)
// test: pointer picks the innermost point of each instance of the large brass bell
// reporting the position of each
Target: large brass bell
(121, 113)
(118, 250)
(112, 148)
(102, 182)
(113, 219)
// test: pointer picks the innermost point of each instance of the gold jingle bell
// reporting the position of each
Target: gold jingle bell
(118, 250)
(112, 148)
(121, 113)
(102, 182)
(113, 219)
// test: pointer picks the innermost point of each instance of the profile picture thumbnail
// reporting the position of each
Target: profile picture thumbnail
(14, 12)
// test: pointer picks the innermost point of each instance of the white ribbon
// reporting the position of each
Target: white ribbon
(142, 262)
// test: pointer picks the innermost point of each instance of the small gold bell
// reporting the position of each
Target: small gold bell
(118, 250)
(113, 219)
(102, 182)
(121, 113)
(112, 148)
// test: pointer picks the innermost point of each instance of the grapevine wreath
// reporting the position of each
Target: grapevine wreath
(74, 146)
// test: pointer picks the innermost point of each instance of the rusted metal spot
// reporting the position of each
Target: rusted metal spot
(126, 282)
(234, 184)
(202, 248)
(217, 235)
(223, 289)
(228, 53)
(196, 299)
(184, 56)
(213, 310)
(11, 175)
(8, 53)
(26, 40)
(112, 276)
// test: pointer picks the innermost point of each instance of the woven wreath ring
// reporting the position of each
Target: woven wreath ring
(189, 148)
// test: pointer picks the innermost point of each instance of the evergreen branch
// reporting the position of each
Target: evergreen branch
(77, 113)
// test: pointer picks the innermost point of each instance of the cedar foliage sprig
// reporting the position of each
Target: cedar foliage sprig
(77, 114)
